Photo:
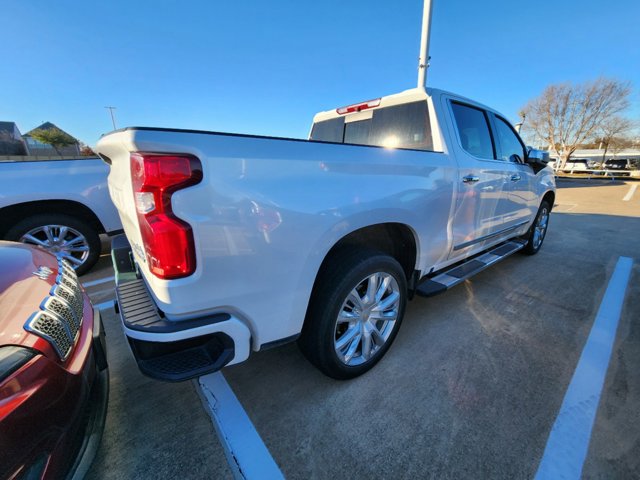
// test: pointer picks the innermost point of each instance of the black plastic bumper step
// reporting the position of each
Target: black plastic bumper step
(185, 359)
(160, 353)
(139, 312)
(445, 280)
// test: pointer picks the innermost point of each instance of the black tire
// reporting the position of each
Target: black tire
(533, 245)
(29, 224)
(347, 270)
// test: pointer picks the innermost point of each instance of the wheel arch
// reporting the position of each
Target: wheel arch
(550, 197)
(348, 256)
(12, 214)
(397, 240)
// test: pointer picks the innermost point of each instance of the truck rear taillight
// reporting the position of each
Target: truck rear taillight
(168, 241)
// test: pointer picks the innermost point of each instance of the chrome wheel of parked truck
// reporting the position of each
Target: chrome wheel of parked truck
(66, 237)
(538, 229)
(541, 227)
(60, 240)
(355, 313)
(367, 318)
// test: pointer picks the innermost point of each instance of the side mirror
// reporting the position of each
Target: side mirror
(538, 157)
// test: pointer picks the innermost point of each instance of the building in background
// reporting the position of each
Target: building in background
(11, 141)
(597, 156)
(34, 147)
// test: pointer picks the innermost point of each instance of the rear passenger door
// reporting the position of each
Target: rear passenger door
(481, 202)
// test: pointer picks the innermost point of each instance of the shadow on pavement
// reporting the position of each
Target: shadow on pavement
(564, 182)
(154, 430)
(473, 383)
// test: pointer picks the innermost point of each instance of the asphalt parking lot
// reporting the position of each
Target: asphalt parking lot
(470, 389)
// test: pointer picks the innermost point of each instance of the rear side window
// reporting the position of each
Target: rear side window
(329, 130)
(399, 126)
(473, 128)
(510, 145)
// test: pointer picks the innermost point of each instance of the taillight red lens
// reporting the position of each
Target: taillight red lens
(168, 241)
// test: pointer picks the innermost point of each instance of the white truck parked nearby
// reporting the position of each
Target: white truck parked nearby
(237, 243)
(61, 205)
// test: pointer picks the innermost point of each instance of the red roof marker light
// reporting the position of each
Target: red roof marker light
(358, 107)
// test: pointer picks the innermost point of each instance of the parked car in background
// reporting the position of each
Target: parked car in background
(244, 242)
(592, 163)
(618, 164)
(53, 370)
(61, 205)
(576, 165)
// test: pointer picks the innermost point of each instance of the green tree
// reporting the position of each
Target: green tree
(54, 137)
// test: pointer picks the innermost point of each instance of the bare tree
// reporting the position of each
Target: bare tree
(566, 115)
(613, 135)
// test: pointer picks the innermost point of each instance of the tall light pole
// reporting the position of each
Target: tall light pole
(423, 61)
(113, 119)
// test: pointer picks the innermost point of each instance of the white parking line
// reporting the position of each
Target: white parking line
(630, 193)
(247, 455)
(99, 281)
(568, 441)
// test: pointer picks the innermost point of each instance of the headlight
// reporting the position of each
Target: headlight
(12, 358)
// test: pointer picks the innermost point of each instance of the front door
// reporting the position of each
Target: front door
(520, 195)
(483, 182)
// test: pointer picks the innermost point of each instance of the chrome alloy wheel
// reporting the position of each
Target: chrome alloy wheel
(367, 318)
(540, 228)
(62, 241)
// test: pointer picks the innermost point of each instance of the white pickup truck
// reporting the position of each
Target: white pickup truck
(237, 243)
(61, 205)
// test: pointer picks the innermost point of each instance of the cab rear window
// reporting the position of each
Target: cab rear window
(399, 126)
(329, 130)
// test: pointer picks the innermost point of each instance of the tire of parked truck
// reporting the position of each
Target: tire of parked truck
(355, 312)
(538, 231)
(68, 237)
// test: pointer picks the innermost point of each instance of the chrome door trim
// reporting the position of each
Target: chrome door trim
(491, 235)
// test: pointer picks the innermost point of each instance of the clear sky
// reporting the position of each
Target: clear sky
(265, 67)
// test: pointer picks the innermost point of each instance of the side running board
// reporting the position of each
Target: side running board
(460, 272)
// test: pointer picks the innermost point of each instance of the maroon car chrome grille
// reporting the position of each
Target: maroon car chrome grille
(63, 310)
(60, 316)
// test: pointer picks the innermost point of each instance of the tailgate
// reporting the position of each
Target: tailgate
(115, 149)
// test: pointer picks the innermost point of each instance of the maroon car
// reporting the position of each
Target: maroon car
(53, 372)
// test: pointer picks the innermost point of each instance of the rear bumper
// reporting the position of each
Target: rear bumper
(173, 350)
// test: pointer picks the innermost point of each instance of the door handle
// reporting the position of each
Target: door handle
(470, 179)
(516, 177)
